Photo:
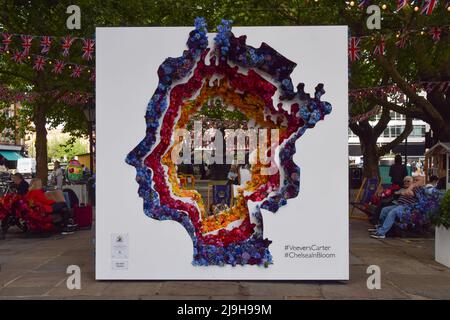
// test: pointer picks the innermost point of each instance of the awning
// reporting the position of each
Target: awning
(354, 150)
(11, 155)
(412, 149)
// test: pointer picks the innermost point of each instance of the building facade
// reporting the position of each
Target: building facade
(11, 142)
(413, 147)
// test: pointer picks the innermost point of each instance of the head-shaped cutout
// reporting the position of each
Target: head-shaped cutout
(255, 81)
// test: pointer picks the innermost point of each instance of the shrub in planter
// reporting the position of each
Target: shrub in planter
(442, 215)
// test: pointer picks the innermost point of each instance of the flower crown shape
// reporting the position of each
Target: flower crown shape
(184, 86)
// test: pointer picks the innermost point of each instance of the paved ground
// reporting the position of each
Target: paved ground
(35, 268)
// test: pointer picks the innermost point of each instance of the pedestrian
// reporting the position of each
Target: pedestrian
(233, 175)
(86, 171)
(3, 167)
(398, 171)
(57, 177)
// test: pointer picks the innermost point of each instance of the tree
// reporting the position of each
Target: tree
(368, 137)
(67, 148)
(434, 108)
(49, 18)
(420, 60)
(38, 18)
(6, 122)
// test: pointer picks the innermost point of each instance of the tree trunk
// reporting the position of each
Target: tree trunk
(368, 136)
(41, 142)
(370, 156)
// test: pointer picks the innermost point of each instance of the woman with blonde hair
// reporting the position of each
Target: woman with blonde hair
(37, 196)
(58, 209)
(35, 184)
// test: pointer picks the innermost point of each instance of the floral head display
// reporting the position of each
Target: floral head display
(237, 74)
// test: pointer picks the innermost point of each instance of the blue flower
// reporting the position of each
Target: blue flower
(304, 113)
(200, 24)
(327, 108)
(315, 117)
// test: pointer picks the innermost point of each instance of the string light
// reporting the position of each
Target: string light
(416, 7)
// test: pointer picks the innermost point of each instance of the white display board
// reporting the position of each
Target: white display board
(130, 245)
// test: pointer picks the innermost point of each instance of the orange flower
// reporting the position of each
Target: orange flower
(253, 107)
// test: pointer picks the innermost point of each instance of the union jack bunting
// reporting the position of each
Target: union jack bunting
(66, 43)
(7, 39)
(59, 66)
(26, 43)
(18, 56)
(401, 4)
(401, 42)
(46, 42)
(353, 48)
(436, 32)
(363, 3)
(379, 49)
(77, 71)
(39, 63)
(428, 7)
(88, 49)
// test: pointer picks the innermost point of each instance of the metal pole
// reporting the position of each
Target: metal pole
(406, 151)
(91, 148)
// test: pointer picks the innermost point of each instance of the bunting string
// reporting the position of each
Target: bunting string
(47, 43)
(402, 37)
(393, 88)
(365, 116)
(56, 66)
(69, 98)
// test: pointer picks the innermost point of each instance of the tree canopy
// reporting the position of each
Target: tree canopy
(421, 59)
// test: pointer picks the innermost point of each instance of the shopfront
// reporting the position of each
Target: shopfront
(9, 156)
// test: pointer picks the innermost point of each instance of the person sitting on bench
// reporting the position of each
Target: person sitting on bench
(389, 214)
(20, 185)
(57, 208)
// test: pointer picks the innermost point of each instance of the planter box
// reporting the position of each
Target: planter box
(442, 246)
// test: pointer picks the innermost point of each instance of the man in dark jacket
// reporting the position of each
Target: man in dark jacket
(398, 171)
